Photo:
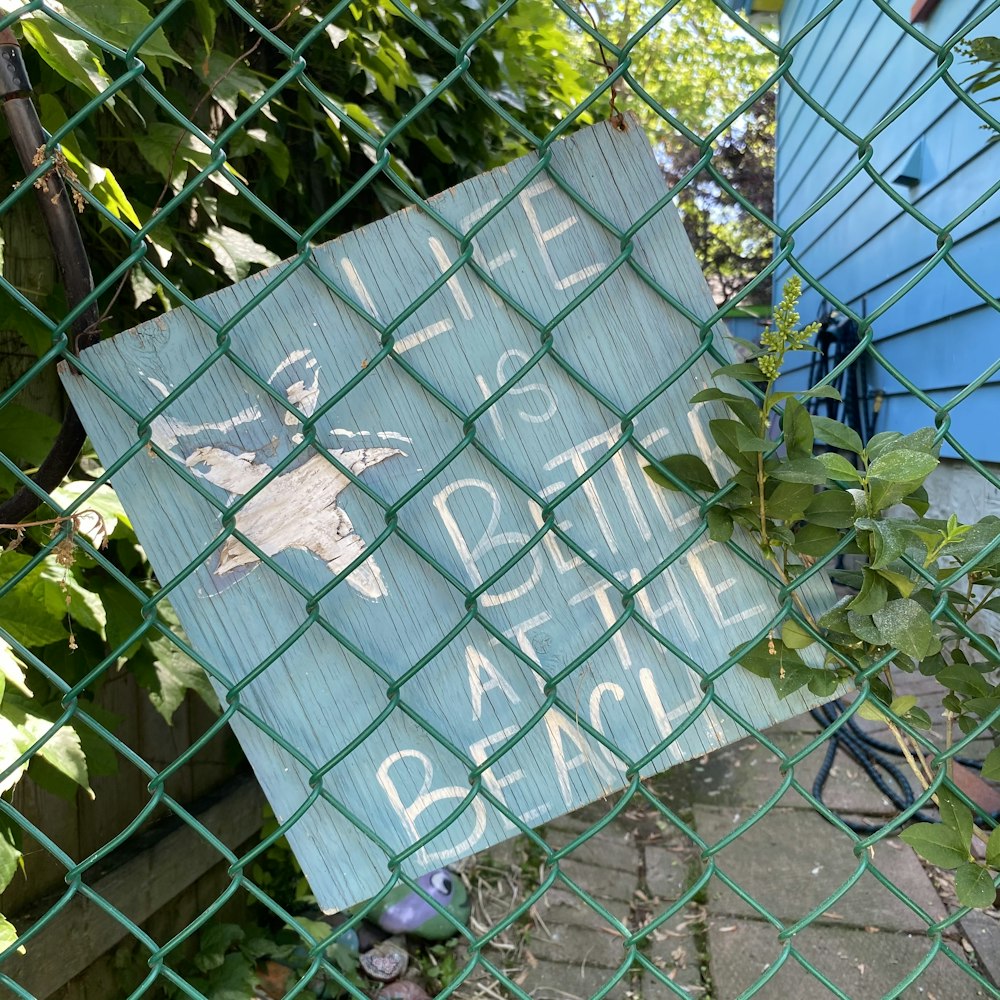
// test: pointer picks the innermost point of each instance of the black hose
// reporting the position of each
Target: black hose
(28, 137)
(870, 755)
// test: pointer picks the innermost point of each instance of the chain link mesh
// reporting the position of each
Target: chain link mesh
(128, 73)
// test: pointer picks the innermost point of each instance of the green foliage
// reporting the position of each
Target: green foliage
(699, 67)
(224, 966)
(984, 53)
(802, 505)
(439, 965)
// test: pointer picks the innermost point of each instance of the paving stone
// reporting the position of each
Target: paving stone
(982, 929)
(673, 949)
(671, 871)
(865, 966)
(601, 883)
(570, 944)
(747, 773)
(612, 846)
(560, 905)
(687, 976)
(790, 861)
(572, 981)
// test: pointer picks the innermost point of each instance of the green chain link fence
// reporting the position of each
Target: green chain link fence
(135, 68)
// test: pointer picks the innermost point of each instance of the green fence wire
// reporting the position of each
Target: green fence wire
(128, 70)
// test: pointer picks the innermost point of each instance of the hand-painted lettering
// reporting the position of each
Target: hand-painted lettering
(423, 800)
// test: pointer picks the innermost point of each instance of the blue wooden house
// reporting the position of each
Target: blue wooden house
(889, 107)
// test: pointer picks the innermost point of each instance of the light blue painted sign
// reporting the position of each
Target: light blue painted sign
(320, 691)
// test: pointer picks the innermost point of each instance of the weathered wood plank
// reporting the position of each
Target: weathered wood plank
(474, 510)
(139, 888)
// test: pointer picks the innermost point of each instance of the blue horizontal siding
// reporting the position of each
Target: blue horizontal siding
(862, 246)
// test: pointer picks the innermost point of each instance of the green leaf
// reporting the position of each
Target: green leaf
(85, 607)
(921, 440)
(974, 886)
(823, 683)
(216, 942)
(788, 677)
(797, 427)
(819, 392)
(835, 618)
(34, 610)
(907, 626)
(871, 711)
(72, 58)
(170, 150)
(800, 470)
(918, 718)
(745, 409)
(766, 657)
(236, 252)
(794, 636)
(169, 672)
(751, 348)
(873, 595)
(991, 765)
(727, 436)
(750, 441)
(689, 469)
(965, 679)
(880, 442)
(27, 434)
(917, 500)
(229, 79)
(902, 583)
(901, 705)
(102, 757)
(837, 467)
(12, 670)
(883, 494)
(863, 626)
(789, 501)
(124, 617)
(901, 465)
(10, 853)
(982, 707)
(993, 849)
(937, 843)
(956, 815)
(206, 18)
(120, 22)
(23, 725)
(971, 544)
(8, 935)
(746, 370)
(720, 524)
(103, 502)
(832, 509)
(815, 540)
(888, 538)
(837, 435)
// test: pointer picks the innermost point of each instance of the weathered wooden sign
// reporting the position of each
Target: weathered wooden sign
(463, 496)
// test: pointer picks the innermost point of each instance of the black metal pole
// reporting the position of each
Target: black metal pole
(28, 137)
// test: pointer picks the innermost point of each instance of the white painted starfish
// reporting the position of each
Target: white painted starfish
(299, 508)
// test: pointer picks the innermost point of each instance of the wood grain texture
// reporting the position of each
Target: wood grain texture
(474, 697)
(139, 887)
